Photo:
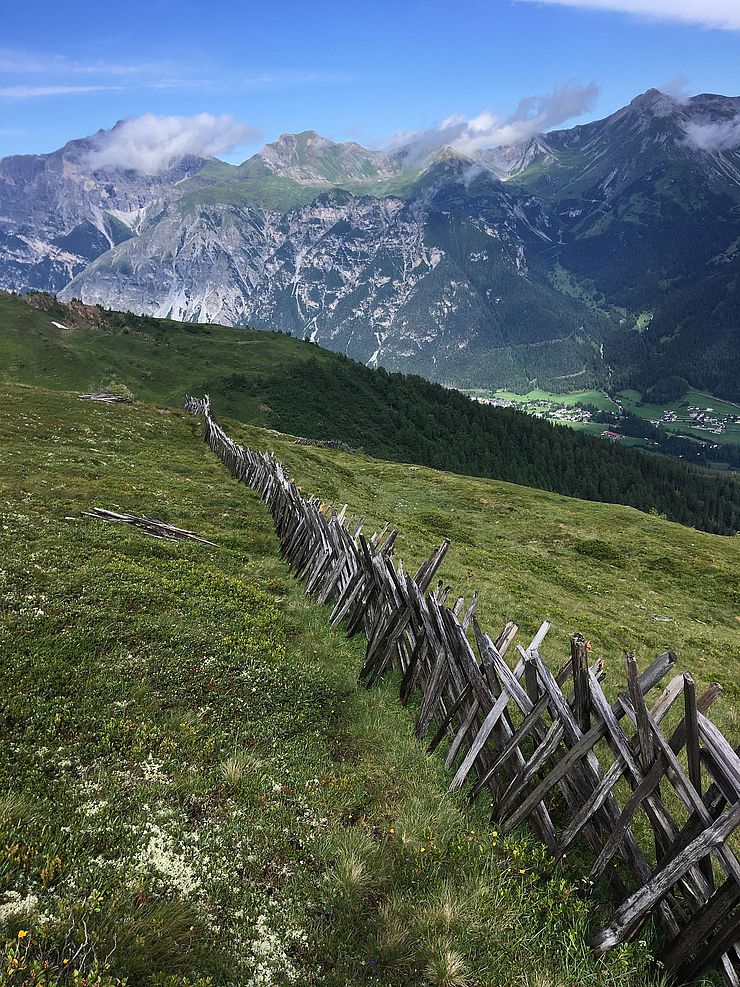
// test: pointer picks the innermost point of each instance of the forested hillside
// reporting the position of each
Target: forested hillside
(293, 386)
(408, 419)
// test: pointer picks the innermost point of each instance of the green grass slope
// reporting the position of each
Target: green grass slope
(276, 380)
(192, 788)
(628, 581)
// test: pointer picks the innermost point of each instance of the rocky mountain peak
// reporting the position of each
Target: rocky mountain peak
(307, 141)
(655, 103)
(449, 154)
(311, 159)
(510, 160)
(437, 271)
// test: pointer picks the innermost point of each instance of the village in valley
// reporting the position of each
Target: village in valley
(702, 419)
(554, 410)
(709, 423)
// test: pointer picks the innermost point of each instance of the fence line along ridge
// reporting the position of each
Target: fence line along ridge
(534, 742)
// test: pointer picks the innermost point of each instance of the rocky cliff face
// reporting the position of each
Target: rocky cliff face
(428, 283)
(529, 262)
(57, 213)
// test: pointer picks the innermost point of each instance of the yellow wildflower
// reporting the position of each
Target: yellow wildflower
(22, 933)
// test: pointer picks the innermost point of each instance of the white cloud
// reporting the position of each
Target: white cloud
(151, 144)
(723, 14)
(677, 87)
(31, 92)
(533, 115)
(19, 61)
(720, 135)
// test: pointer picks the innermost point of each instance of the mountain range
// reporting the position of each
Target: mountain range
(608, 253)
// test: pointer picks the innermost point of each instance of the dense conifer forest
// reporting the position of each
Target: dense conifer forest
(405, 418)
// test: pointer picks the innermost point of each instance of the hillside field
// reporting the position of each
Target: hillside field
(598, 398)
(274, 380)
(628, 581)
(205, 792)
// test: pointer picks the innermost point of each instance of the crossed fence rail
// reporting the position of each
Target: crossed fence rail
(546, 748)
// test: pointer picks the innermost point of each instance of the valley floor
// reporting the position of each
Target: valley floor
(700, 417)
(191, 784)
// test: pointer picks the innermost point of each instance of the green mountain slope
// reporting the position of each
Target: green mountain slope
(205, 788)
(650, 220)
(605, 569)
(205, 793)
(273, 379)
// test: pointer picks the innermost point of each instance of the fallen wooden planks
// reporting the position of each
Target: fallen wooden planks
(157, 529)
(105, 397)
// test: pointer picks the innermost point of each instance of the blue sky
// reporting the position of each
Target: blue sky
(349, 70)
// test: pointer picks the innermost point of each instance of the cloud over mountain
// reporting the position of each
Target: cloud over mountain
(151, 144)
(719, 135)
(533, 115)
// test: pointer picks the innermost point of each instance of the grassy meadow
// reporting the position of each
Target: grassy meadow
(158, 359)
(627, 580)
(276, 381)
(193, 790)
(600, 399)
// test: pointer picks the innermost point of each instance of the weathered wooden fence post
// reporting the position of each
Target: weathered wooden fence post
(522, 734)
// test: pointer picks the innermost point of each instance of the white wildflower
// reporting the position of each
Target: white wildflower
(16, 904)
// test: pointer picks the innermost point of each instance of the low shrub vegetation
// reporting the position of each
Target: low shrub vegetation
(193, 790)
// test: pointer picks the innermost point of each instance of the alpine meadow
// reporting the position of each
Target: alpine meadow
(369, 494)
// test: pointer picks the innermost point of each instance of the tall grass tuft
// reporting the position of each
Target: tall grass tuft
(239, 767)
(359, 866)
(16, 807)
(449, 909)
(395, 937)
(447, 968)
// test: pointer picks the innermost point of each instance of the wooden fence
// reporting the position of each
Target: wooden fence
(546, 748)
